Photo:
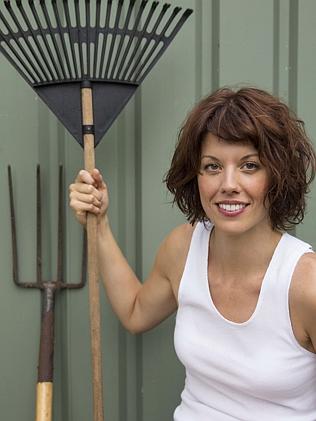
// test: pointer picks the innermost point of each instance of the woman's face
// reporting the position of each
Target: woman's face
(232, 184)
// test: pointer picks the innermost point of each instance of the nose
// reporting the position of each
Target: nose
(230, 181)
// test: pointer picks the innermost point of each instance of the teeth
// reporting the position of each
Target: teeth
(231, 208)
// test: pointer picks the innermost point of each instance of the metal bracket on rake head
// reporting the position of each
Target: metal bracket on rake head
(47, 44)
(40, 284)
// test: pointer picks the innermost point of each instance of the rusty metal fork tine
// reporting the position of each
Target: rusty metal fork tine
(15, 269)
(83, 279)
(38, 226)
(61, 248)
(13, 232)
(60, 241)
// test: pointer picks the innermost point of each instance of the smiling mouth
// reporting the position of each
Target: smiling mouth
(232, 208)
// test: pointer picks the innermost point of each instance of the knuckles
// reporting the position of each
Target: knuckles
(85, 195)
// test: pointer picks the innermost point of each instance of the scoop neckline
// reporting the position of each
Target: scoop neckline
(262, 289)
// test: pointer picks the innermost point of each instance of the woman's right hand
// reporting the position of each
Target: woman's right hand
(88, 193)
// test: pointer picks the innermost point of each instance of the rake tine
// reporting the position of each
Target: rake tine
(145, 47)
(30, 47)
(35, 78)
(61, 36)
(49, 26)
(96, 39)
(114, 36)
(137, 20)
(78, 25)
(88, 25)
(157, 41)
(27, 76)
(48, 49)
(34, 37)
(25, 52)
(107, 24)
(118, 52)
(68, 22)
(175, 30)
(181, 21)
(150, 14)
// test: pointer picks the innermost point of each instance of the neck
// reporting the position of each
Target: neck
(236, 257)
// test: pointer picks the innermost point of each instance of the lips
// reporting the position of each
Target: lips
(231, 209)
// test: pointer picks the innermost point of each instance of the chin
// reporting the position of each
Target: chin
(235, 228)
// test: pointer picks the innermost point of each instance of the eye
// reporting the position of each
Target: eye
(251, 165)
(211, 167)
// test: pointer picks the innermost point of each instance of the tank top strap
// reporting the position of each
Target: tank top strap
(290, 250)
(275, 291)
(191, 288)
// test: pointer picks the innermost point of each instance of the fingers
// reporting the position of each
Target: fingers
(85, 189)
(97, 176)
(83, 200)
(88, 194)
(86, 199)
(94, 178)
(84, 177)
(81, 207)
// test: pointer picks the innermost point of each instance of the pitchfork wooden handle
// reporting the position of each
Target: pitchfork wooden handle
(94, 293)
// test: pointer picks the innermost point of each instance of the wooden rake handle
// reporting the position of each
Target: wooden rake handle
(94, 292)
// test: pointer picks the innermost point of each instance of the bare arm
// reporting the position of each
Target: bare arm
(138, 306)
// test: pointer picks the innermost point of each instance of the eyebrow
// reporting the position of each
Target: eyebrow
(244, 157)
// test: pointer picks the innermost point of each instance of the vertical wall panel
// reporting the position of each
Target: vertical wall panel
(167, 94)
(246, 42)
(281, 49)
(306, 99)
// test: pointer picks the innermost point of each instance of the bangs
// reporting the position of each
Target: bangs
(233, 124)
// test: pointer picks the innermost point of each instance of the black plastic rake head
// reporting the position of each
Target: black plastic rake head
(111, 43)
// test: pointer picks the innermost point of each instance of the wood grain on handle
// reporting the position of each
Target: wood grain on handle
(93, 273)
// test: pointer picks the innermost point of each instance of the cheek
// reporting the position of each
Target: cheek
(205, 187)
(260, 188)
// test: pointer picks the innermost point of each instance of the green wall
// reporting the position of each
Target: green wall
(270, 44)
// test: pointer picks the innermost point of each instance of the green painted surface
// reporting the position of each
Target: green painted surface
(269, 44)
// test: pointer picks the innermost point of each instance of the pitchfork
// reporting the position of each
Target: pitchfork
(48, 291)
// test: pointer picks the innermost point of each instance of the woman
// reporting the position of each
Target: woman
(243, 288)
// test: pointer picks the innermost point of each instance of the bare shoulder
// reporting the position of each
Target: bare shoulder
(173, 253)
(303, 294)
(179, 238)
(304, 276)
(177, 243)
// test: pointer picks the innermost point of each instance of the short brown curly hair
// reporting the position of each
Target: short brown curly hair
(255, 116)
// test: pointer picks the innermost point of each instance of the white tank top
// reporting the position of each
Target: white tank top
(250, 371)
